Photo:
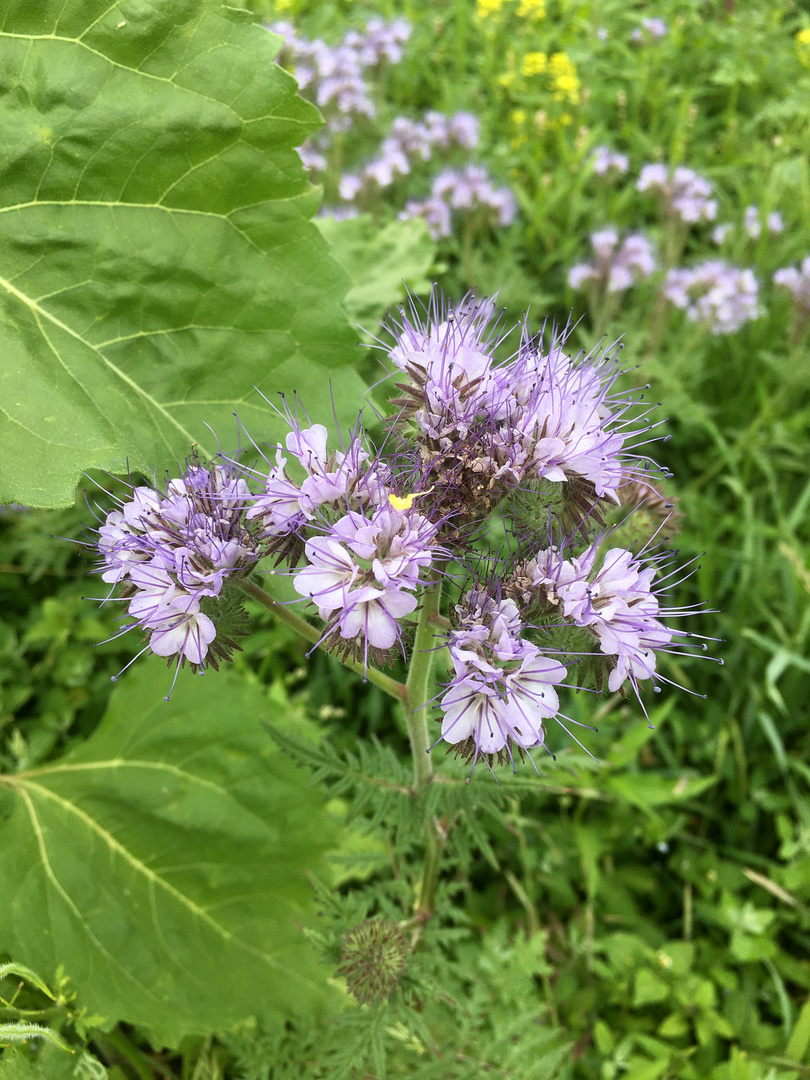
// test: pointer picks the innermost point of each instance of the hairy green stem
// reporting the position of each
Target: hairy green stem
(313, 634)
(415, 706)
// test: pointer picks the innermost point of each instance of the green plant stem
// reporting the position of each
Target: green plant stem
(116, 1042)
(417, 694)
(313, 634)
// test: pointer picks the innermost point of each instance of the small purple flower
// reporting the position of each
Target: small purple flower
(606, 162)
(485, 715)
(614, 599)
(685, 194)
(463, 130)
(173, 552)
(362, 573)
(721, 296)
(334, 480)
(797, 281)
(654, 29)
(503, 687)
(381, 41)
(615, 270)
(435, 213)
(752, 222)
(470, 189)
(720, 233)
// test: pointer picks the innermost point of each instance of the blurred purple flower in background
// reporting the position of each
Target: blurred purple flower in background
(720, 233)
(752, 222)
(616, 269)
(797, 281)
(468, 190)
(650, 30)
(605, 161)
(721, 296)
(685, 194)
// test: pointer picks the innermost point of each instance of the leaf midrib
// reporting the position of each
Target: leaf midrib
(140, 867)
(43, 313)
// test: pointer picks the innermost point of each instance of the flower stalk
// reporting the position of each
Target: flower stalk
(312, 634)
(415, 707)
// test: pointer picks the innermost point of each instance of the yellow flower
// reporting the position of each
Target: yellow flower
(534, 63)
(565, 82)
(518, 117)
(532, 9)
(506, 79)
(802, 40)
(486, 8)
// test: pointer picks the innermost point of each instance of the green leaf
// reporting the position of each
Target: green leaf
(647, 790)
(157, 261)
(380, 262)
(162, 863)
(48, 1063)
(800, 1037)
(649, 989)
(23, 972)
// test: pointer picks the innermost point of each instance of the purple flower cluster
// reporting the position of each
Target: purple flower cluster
(173, 554)
(487, 427)
(343, 479)
(335, 76)
(503, 685)
(607, 162)
(686, 195)
(614, 601)
(797, 281)
(363, 572)
(468, 190)
(721, 296)
(652, 29)
(614, 267)
(410, 140)
(752, 222)
(362, 554)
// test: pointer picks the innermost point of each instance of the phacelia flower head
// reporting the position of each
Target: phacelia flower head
(752, 222)
(651, 30)
(607, 162)
(686, 195)
(327, 481)
(173, 553)
(611, 595)
(486, 429)
(721, 296)
(362, 573)
(615, 267)
(503, 690)
(797, 281)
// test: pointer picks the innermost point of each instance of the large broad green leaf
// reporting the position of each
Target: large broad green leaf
(50, 1063)
(163, 862)
(157, 260)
